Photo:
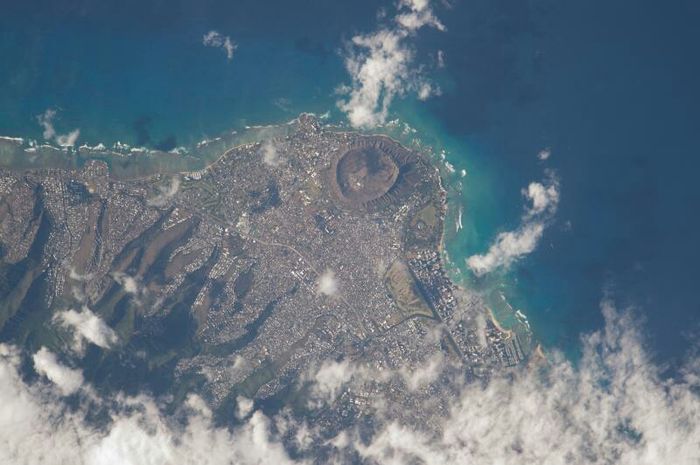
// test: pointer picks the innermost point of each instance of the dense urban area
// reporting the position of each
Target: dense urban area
(237, 279)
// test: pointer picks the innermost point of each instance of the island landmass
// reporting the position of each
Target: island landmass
(236, 279)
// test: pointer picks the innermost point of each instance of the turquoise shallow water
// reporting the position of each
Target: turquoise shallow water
(609, 87)
(138, 71)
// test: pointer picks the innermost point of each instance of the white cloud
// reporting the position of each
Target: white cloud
(239, 364)
(68, 140)
(420, 15)
(327, 283)
(64, 140)
(74, 275)
(217, 40)
(543, 198)
(68, 380)
(244, 407)
(86, 326)
(330, 377)
(613, 406)
(46, 122)
(510, 246)
(270, 154)
(507, 248)
(415, 5)
(129, 283)
(381, 67)
(38, 428)
(426, 373)
(33, 427)
(440, 59)
(378, 75)
(427, 90)
(166, 193)
(304, 437)
(544, 154)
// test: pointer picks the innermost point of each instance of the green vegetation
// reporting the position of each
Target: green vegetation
(403, 289)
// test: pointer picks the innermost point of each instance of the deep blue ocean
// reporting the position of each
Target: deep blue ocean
(610, 87)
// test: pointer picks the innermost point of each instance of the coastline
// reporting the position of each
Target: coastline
(437, 158)
(208, 152)
(497, 324)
